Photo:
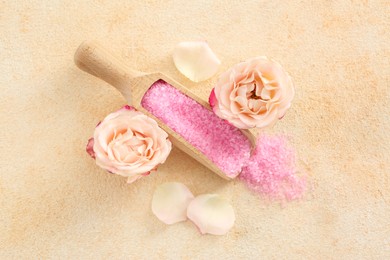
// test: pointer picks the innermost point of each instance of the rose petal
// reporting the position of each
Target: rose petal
(211, 214)
(127, 107)
(170, 201)
(265, 94)
(212, 98)
(89, 147)
(195, 60)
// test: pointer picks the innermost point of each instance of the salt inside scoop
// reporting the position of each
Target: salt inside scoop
(226, 146)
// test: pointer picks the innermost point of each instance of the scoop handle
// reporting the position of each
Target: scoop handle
(96, 60)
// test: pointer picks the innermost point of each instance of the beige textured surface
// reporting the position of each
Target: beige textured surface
(54, 201)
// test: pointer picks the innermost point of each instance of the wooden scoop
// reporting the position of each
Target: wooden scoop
(94, 59)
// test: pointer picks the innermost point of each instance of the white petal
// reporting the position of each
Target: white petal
(170, 201)
(195, 60)
(211, 214)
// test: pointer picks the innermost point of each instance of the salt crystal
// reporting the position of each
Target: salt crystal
(271, 170)
(222, 143)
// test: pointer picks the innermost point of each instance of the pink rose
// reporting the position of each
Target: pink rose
(129, 143)
(254, 93)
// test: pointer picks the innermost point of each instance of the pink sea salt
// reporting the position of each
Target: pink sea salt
(271, 170)
(221, 142)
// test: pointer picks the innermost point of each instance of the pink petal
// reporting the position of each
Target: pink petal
(89, 148)
(127, 107)
(213, 99)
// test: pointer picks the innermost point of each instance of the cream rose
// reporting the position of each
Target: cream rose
(129, 143)
(254, 93)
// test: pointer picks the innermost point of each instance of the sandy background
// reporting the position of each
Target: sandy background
(56, 203)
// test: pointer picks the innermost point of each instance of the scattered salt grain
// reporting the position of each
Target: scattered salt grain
(221, 142)
(271, 170)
